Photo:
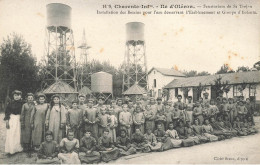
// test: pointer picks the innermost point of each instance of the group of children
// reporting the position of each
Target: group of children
(88, 133)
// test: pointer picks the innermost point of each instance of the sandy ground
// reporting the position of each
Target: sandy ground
(243, 150)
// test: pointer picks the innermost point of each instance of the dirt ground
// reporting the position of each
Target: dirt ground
(244, 150)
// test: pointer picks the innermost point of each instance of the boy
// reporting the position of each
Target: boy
(199, 132)
(74, 119)
(189, 109)
(48, 151)
(173, 135)
(131, 107)
(106, 147)
(152, 142)
(126, 120)
(208, 131)
(169, 116)
(149, 118)
(69, 147)
(213, 109)
(113, 123)
(91, 118)
(160, 118)
(139, 119)
(82, 107)
(103, 121)
(241, 109)
(190, 137)
(124, 144)
(88, 154)
(139, 141)
(26, 130)
(197, 113)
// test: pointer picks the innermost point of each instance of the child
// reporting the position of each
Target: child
(91, 119)
(161, 118)
(118, 108)
(38, 121)
(26, 130)
(112, 124)
(208, 131)
(13, 125)
(232, 109)
(88, 154)
(213, 109)
(82, 107)
(69, 147)
(100, 104)
(131, 107)
(228, 125)
(139, 119)
(190, 136)
(189, 109)
(152, 142)
(180, 128)
(56, 118)
(74, 119)
(173, 135)
(149, 118)
(124, 144)
(103, 121)
(197, 113)
(48, 151)
(169, 116)
(198, 131)
(251, 125)
(241, 110)
(238, 128)
(106, 147)
(139, 142)
(126, 120)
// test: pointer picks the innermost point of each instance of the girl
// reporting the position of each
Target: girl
(37, 121)
(13, 125)
(56, 118)
(139, 119)
(112, 125)
(208, 131)
(25, 123)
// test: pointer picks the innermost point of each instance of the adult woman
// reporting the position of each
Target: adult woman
(13, 125)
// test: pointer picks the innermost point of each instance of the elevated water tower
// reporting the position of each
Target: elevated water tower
(135, 63)
(59, 46)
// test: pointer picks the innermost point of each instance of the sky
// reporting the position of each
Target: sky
(185, 42)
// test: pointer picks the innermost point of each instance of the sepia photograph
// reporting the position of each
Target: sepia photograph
(129, 82)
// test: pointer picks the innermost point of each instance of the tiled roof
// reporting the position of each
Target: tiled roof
(168, 72)
(59, 87)
(231, 78)
(135, 90)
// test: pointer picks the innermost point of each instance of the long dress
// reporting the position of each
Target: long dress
(208, 132)
(56, 116)
(90, 120)
(13, 134)
(89, 144)
(26, 130)
(38, 121)
(48, 149)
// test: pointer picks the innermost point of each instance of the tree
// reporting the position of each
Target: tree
(243, 69)
(18, 68)
(194, 73)
(225, 69)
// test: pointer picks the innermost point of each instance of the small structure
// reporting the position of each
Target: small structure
(85, 91)
(64, 90)
(135, 91)
(159, 77)
(102, 84)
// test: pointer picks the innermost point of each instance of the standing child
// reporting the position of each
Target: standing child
(56, 118)
(38, 121)
(69, 148)
(126, 120)
(160, 119)
(26, 131)
(103, 121)
(48, 151)
(74, 119)
(139, 119)
(241, 110)
(112, 124)
(169, 116)
(89, 153)
(197, 113)
(189, 109)
(82, 108)
(149, 118)
(106, 147)
(213, 109)
(13, 125)
(91, 119)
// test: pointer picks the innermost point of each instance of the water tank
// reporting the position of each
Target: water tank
(101, 82)
(135, 31)
(58, 15)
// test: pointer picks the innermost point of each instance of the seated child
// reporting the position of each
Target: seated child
(152, 142)
(173, 135)
(228, 125)
(190, 136)
(106, 147)
(124, 144)
(198, 131)
(48, 151)
(88, 150)
(245, 127)
(251, 124)
(238, 128)
(208, 131)
(180, 128)
(139, 142)
(69, 147)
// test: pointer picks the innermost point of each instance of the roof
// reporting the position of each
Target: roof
(59, 87)
(168, 72)
(85, 90)
(231, 78)
(135, 90)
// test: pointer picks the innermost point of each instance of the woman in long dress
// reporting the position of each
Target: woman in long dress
(38, 120)
(13, 125)
(56, 118)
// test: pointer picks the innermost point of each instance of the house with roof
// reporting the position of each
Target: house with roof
(159, 77)
(236, 84)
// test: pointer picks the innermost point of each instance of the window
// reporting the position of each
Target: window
(252, 90)
(154, 83)
(159, 93)
(235, 91)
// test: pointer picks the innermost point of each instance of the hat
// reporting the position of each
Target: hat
(41, 95)
(17, 92)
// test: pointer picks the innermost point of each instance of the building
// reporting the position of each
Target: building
(245, 84)
(159, 77)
